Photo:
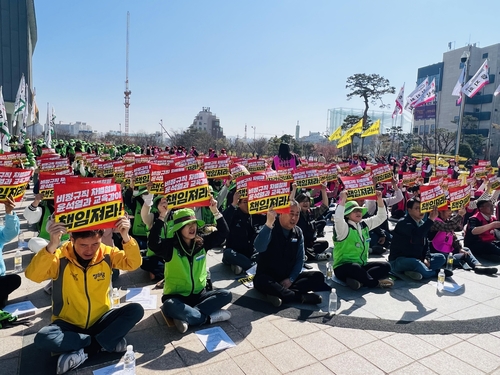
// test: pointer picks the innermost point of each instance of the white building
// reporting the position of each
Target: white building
(208, 122)
(72, 128)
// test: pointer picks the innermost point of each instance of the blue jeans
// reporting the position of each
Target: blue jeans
(61, 336)
(196, 308)
(403, 264)
(232, 257)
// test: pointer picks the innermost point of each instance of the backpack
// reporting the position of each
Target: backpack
(8, 320)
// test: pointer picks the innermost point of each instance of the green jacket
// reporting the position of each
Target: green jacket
(352, 249)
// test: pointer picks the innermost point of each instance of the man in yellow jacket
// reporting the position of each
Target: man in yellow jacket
(83, 322)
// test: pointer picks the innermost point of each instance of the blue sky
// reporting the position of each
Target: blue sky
(266, 63)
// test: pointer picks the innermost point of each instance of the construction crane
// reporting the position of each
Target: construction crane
(127, 91)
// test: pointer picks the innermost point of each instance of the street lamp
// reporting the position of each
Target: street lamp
(465, 60)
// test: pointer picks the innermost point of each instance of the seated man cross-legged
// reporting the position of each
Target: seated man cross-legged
(83, 322)
(410, 253)
(280, 245)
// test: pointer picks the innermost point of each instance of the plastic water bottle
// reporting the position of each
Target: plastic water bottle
(20, 240)
(129, 361)
(332, 305)
(18, 261)
(449, 262)
(440, 283)
(115, 298)
(329, 271)
(209, 286)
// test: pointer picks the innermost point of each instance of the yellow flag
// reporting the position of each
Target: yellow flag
(344, 140)
(336, 134)
(357, 128)
(374, 129)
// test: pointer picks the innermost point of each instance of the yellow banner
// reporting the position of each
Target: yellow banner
(374, 129)
(438, 202)
(360, 193)
(336, 134)
(16, 192)
(344, 141)
(262, 205)
(214, 173)
(141, 180)
(357, 128)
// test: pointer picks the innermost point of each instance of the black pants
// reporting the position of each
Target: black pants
(306, 282)
(368, 275)
(315, 248)
(8, 283)
(487, 250)
(320, 225)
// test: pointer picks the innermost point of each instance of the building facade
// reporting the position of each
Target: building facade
(445, 112)
(205, 120)
(18, 36)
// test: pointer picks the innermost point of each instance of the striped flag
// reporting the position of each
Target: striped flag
(22, 130)
(34, 108)
(457, 90)
(478, 81)
(4, 128)
(427, 96)
(344, 140)
(416, 94)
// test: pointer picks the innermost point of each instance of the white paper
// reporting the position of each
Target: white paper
(449, 286)
(20, 308)
(110, 370)
(214, 339)
(252, 270)
(136, 294)
(148, 304)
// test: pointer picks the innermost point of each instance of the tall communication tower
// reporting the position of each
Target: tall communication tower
(127, 91)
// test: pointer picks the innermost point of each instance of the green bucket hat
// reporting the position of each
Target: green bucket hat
(182, 217)
(353, 205)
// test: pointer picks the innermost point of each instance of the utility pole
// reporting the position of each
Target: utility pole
(127, 91)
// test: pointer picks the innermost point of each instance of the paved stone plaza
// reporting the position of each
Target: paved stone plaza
(411, 329)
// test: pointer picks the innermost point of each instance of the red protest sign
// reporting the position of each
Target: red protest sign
(53, 164)
(157, 177)
(13, 183)
(47, 182)
(431, 196)
(87, 206)
(307, 178)
(187, 189)
(188, 162)
(105, 168)
(256, 165)
(142, 173)
(265, 194)
(242, 182)
(359, 187)
(382, 173)
(409, 178)
(95, 180)
(459, 197)
(216, 168)
(238, 170)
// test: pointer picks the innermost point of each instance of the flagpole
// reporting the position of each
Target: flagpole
(462, 105)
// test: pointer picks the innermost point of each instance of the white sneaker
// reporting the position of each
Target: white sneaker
(70, 361)
(219, 316)
(181, 325)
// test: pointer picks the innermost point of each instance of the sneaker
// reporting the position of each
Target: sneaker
(219, 316)
(236, 269)
(70, 361)
(323, 256)
(482, 270)
(414, 275)
(181, 325)
(448, 273)
(311, 299)
(275, 301)
(121, 346)
(353, 284)
(385, 283)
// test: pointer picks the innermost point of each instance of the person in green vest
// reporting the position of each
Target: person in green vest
(134, 201)
(351, 239)
(184, 250)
